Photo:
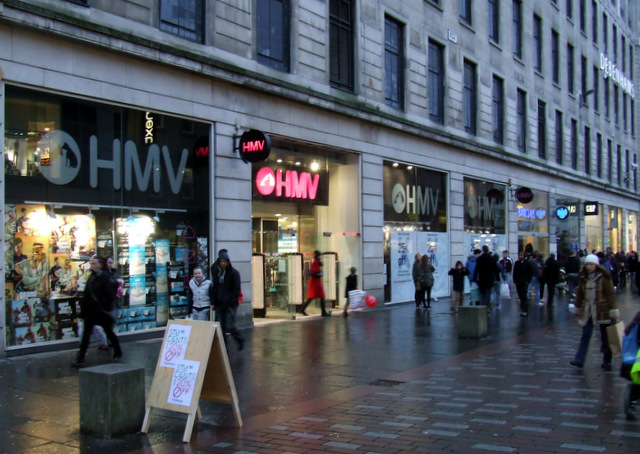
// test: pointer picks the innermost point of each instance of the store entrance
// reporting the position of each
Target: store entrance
(281, 232)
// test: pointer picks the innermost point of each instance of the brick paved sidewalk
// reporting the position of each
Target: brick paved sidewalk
(519, 396)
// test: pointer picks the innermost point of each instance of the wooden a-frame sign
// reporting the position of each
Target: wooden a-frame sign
(192, 365)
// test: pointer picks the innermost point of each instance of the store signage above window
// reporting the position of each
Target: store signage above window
(254, 146)
(562, 212)
(524, 195)
(291, 185)
(611, 70)
(65, 162)
(415, 195)
(590, 208)
(148, 128)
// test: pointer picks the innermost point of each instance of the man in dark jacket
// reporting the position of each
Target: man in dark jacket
(551, 273)
(226, 290)
(485, 274)
(521, 278)
(572, 269)
(96, 307)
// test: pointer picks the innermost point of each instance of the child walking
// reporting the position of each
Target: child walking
(458, 273)
(352, 284)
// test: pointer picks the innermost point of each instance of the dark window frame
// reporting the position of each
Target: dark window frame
(497, 110)
(517, 28)
(466, 11)
(494, 20)
(542, 129)
(341, 45)
(435, 80)
(394, 62)
(559, 133)
(537, 43)
(470, 97)
(274, 49)
(176, 25)
(521, 120)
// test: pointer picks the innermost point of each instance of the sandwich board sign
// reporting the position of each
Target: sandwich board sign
(193, 365)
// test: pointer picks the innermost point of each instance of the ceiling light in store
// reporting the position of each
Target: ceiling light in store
(297, 163)
(278, 215)
(315, 165)
(409, 167)
(278, 160)
(395, 164)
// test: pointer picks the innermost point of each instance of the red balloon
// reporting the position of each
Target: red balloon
(371, 301)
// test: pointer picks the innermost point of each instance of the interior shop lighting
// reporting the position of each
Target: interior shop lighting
(395, 164)
(97, 207)
(315, 165)
(297, 163)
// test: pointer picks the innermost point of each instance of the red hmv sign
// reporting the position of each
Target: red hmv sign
(290, 185)
(254, 146)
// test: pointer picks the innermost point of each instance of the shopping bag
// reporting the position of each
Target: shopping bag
(614, 335)
(505, 292)
(356, 300)
(635, 370)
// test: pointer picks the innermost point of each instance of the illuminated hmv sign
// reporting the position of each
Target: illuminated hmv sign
(254, 146)
(291, 185)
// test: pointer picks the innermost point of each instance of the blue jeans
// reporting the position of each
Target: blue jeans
(226, 316)
(587, 330)
(534, 286)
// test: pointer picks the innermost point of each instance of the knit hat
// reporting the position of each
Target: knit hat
(223, 255)
(592, 258)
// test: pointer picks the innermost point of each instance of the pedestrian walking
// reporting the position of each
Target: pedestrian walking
(425, 281)
(457, 274)
(225, 293)
(551, 276)
(199, 294)
(534, 283)
(506, 267)
(485, 274)
(96, 307)
(352, 284)
(474, 292)
(415, 273)
(315, 288)
(595, 305)
(573, 268)
(521, 278)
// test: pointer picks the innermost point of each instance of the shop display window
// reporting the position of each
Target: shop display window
(84, 179)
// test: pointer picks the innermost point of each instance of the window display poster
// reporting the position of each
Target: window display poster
(162, 281)
(175, 345)
(182, 255)
(185, 374)
(137, 290)
(136, 260)
(402, 252)
(404, 246)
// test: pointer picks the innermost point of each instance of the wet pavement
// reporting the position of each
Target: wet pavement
(390, 380)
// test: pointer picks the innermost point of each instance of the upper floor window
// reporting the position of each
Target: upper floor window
(542, 129)
(614, 43)
(559, 137)
(393, 63)
(570, 69)
(436, 82)
(596, 89)
(517, 28)
(623, 52)
(599, 155)
(341, 52)
(570, 9)
(537, 43)
(583, 78)
(470, 97)
(273, 33)
(583, 16)
(521, 120)
(184, 18)
(587, 150)
(497, 109)
(555, 56)
(594, 21)
(605, 36)
(574, 144)
(466, 11)
(494, 20)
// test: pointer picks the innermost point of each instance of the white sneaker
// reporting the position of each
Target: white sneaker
(435, 299)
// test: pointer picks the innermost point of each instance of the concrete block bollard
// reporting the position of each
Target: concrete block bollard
(112, 400)
(472, 321)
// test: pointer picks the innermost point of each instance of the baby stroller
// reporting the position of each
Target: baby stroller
(630, 345)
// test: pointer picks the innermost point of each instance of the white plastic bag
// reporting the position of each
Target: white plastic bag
(505, 292)
(356, 300)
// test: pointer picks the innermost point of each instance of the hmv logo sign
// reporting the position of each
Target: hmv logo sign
(125, 165)
(293, 185)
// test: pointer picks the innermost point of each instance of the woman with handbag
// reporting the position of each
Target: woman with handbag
(415, 274)
(315, 288)
(425, 281)
(595, 305)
